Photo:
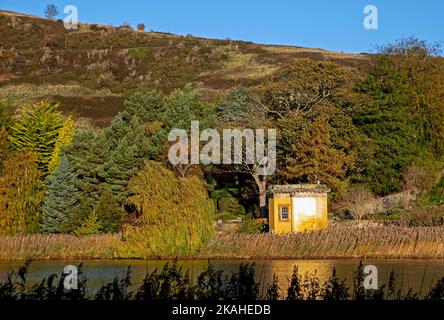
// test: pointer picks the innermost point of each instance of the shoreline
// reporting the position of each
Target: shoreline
(228, 258)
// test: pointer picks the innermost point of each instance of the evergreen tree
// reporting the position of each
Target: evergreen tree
(62, 194)
(92, 225)
(121, 165)
(147, 106)
(51, 11)
(127, 147)
(185, 105)
(37, 130)
(87, 152)
(21, 194)
(235, 107)
(389, 121)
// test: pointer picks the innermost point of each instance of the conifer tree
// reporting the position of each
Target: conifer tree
(127, 146)
(62, 194)
(37, 130)
(388, 120)
(87, 152)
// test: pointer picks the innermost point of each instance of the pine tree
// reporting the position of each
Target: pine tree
(235, 107)
(21, 194)
(37, 130)
(62, 195)
(388, 120)
(127, 147)
(147, 106)
(65, 137)
(51, 11)
(86, 154)
(185, 105)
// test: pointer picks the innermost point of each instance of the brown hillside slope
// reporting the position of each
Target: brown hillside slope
(89, 69)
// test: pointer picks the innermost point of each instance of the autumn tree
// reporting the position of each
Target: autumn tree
(309, 102)
(422, 67)
(65, 137)
(21, 194)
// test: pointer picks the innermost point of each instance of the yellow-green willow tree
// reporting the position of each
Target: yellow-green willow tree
(175, 213)
(21, 195)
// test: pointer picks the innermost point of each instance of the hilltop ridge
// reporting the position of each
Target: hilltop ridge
(96, 64)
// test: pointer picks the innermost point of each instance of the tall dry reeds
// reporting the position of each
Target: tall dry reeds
(385, 242)
(58, 247)
(388, 242)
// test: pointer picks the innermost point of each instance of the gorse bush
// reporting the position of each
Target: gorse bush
(173, 283)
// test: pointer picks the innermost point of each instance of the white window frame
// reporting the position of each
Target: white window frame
(280, 212)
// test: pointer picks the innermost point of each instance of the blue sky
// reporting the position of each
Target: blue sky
(334, 25)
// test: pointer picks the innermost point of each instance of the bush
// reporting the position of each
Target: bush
(138, 53)
(437, 193)
(357, 202)
(141, 27)
(425, 217)
(253, 226)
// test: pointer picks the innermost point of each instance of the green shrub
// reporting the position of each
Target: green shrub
(138, 53)
(437, 193)
(253, 226)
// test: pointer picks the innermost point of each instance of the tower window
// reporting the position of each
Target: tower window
(283, 213)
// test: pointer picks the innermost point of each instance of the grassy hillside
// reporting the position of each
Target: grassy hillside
(90, 69)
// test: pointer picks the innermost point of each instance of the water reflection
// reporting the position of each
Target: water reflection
(420, 275)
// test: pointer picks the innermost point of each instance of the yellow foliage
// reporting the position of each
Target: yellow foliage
(176, 213)
(65, 137)
(21, 195)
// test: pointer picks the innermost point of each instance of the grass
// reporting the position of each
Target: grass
(21, 93)
(384, 242)
(241, 65)
(138, 53)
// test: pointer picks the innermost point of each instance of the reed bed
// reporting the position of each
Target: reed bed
(385, 242)
(65, 247)
(389, 242)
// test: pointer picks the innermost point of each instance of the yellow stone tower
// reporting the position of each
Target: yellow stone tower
(297, 208)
